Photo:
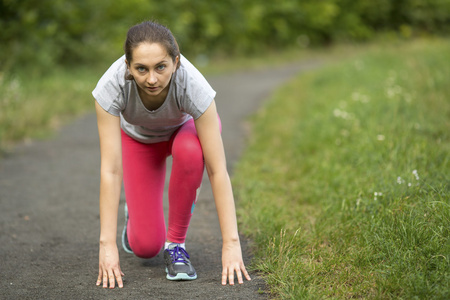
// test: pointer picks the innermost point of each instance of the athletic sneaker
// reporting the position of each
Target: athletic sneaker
(178, 265)
(125, 244)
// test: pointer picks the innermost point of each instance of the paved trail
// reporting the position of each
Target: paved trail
(49, 218)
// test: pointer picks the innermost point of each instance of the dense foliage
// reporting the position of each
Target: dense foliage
(42, 32)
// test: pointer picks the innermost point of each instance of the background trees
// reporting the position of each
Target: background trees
(44, 32)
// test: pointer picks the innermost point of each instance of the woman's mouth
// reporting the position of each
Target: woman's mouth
(152, 89)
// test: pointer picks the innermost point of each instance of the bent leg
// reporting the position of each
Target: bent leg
(144, 167)
(185, 180)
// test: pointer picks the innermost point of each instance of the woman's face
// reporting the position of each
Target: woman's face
(152, 69)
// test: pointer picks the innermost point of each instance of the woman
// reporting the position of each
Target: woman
(152, 103)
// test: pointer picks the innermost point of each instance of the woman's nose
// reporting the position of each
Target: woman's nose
(151, 79)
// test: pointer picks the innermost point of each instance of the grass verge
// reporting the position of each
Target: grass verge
(34, 106)
(345, 184)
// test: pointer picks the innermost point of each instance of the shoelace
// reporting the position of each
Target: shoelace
(177, 254)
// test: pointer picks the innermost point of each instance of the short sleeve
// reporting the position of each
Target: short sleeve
(110, 89)
(197, 94)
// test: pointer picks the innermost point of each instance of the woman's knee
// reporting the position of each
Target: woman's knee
(145, 247)
(188, 151)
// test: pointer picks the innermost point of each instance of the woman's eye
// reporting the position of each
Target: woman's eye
(161, 67)
(141, 69)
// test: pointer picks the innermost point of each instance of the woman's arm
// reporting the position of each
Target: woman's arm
(208, 132)
(110, 186)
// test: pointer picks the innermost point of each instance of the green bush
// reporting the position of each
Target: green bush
(42, 32)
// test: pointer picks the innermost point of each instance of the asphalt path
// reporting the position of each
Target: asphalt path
(49, 215)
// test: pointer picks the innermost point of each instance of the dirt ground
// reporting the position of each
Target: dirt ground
(49, 215)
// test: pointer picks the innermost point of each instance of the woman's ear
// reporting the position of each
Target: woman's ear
(175, 65)
(128, 75)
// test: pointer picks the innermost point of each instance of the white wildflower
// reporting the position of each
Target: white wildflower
(365, 99)
(380, 137)
(416, 174)
(390, 93)
(376, 195)
(342, 114)
(398, 89)
(14, 85)
(393, 91)
(360, 97)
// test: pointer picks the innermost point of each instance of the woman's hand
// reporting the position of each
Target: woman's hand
(109, 267)
(232, 262)
(110, 186)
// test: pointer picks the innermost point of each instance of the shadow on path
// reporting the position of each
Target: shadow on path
(49, 218)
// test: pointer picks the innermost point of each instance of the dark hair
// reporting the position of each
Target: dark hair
(151, 32)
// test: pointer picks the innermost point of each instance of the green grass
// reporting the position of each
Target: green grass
(33, 106)
(345, 184)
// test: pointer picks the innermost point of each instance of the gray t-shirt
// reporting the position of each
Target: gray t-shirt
(189, 96)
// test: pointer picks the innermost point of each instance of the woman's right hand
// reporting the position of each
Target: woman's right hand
(109, 267)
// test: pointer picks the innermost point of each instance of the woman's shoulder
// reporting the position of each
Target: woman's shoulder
(192, 90)
(112, 86)
(116, 72)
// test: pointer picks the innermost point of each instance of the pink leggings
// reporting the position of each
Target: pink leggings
(144, 167)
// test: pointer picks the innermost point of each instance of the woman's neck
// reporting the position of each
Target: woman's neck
(153, 102)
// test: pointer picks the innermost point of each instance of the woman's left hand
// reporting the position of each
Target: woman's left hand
(232, 262)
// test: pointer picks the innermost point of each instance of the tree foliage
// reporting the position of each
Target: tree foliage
(42, 32)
